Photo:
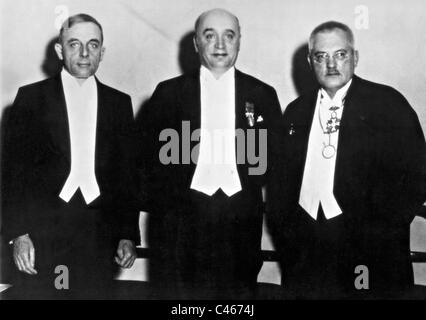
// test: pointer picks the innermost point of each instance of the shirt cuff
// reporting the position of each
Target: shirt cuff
(13, 240)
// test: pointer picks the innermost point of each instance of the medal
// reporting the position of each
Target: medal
(250, 113)
(332, 126)
(328, 151)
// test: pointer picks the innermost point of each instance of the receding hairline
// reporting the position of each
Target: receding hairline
(330, 26)
(218, 10)
(77, 19)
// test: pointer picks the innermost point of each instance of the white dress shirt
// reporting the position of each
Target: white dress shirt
(216, 165)
(318, 177)
(82, 108)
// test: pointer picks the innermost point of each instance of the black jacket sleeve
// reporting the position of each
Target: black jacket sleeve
(17, 154)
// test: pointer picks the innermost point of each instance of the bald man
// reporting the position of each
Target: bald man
(200, 134)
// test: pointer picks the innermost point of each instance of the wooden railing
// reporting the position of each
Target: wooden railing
(270, 255)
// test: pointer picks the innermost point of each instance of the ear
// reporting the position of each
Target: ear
(239, 42)
(308, 57)
(58, 49)
(356, 57)
(194, 40)
(102, 53)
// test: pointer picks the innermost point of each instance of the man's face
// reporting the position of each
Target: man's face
(217, 41)
(81, 49)
(333, 59)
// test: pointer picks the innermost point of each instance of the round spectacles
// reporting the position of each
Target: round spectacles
(321, 57)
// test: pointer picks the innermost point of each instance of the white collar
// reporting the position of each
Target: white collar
(207, 75)
(69, 81)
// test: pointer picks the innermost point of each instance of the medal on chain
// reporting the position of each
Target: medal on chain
(332, 126)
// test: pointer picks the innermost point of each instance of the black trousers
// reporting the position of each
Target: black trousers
(74, 261)
(314, 266)
(210, 247)
(320, 258)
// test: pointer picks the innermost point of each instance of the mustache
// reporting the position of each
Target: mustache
(332, 72)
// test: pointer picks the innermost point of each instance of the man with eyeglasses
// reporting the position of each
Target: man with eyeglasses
(349, 181)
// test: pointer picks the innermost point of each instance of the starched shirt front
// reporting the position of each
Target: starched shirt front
(318, 177)
(216, 166)
(82, 109)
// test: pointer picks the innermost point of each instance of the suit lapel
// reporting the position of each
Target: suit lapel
(353, 134)
(240, 100)
(189, 109)
(244, 95)
(303, 124)
(297, 130)
(190, 101)
(344, 136)
(57, 117)
(102, 125)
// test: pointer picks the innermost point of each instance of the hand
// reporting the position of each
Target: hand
(126, 253)
(24, 254)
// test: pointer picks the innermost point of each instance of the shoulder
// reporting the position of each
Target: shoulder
(173, 90)
(31, 97)
(299, 104)
(112, 92)
(254, 83)
(374, 89)
(301, 100)
(39, 87)
(117, 103)
(383, 100)
(176, 83)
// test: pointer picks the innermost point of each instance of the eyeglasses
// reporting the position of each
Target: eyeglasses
(322, 57)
